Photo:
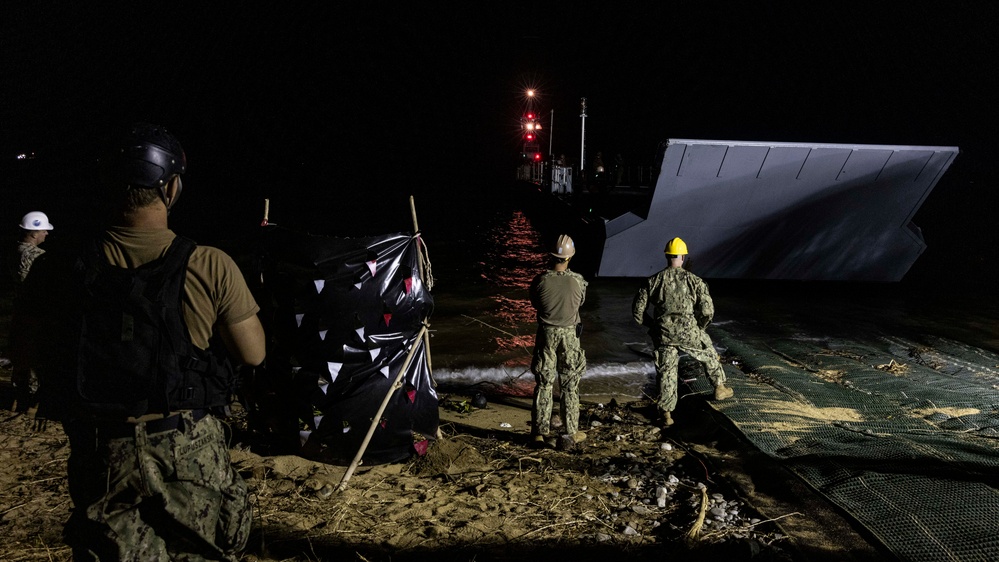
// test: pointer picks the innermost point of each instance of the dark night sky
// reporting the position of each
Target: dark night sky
(279, 96)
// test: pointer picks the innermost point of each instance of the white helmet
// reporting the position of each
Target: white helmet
(36, 220)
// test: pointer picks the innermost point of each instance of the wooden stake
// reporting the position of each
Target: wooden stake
(423, 278)
(381, 410)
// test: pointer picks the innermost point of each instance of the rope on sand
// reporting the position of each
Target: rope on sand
(694, 533)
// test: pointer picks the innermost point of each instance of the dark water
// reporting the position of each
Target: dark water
(486, 247)
(486, 241)
(484, 324)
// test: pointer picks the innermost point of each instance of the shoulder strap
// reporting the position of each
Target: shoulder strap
(178, 253)
(93, 262)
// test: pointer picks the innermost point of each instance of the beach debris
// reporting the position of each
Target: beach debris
(460, 406)
(695, 530)
(893, 367)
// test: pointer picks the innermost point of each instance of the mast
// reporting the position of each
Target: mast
(582, 143)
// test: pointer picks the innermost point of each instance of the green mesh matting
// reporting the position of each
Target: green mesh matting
(903, 436)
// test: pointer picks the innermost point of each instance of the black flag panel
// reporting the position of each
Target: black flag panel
(343, 315)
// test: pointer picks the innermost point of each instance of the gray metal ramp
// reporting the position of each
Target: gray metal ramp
(797, 211)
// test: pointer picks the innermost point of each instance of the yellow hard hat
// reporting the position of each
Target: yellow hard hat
(564, 247)
(676, 247)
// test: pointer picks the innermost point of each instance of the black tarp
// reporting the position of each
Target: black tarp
(342, 315)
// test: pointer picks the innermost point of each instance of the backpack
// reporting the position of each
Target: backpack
(135, 354)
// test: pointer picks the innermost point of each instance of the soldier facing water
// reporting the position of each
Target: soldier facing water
(123, 334)
(557, 295)
(681, 310)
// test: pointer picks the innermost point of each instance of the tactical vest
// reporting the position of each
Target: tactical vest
(135, 352)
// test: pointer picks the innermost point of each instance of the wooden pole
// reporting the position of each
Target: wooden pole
(423, 274)
(381, 410)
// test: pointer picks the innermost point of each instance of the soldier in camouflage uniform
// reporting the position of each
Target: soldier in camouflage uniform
(557, 295)
(158, 485)
(35, 228)
(681, 309)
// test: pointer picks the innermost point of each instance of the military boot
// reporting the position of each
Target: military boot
(570, 442)
(666, 419)
(722, 392)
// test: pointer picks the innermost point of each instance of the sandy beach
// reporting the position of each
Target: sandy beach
(819, 405)
(483, 493)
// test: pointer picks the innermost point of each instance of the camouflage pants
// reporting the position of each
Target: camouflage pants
(160, 496)
(557, 356)
(667, 359)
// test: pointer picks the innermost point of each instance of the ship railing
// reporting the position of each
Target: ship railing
(533, 172)
(631, 176)
(561, 180)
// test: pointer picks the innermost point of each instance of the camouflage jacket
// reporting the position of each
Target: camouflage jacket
(28, 254)
(679, 304)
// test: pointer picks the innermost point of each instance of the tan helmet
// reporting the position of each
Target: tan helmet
(564, 247)
(676, 247)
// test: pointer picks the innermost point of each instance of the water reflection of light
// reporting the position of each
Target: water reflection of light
(514, 311)
(523, 342)
(512, 258)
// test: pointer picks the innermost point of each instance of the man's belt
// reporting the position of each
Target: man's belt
(118, 430)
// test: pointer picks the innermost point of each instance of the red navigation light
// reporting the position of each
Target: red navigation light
(537, 157)
(530, 116)
(529, 136)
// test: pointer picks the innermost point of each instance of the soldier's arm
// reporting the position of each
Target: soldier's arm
(245, 341)
(638, 305)
(705, 306)
(533, 292)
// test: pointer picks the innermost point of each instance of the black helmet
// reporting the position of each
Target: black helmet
(148, 156)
